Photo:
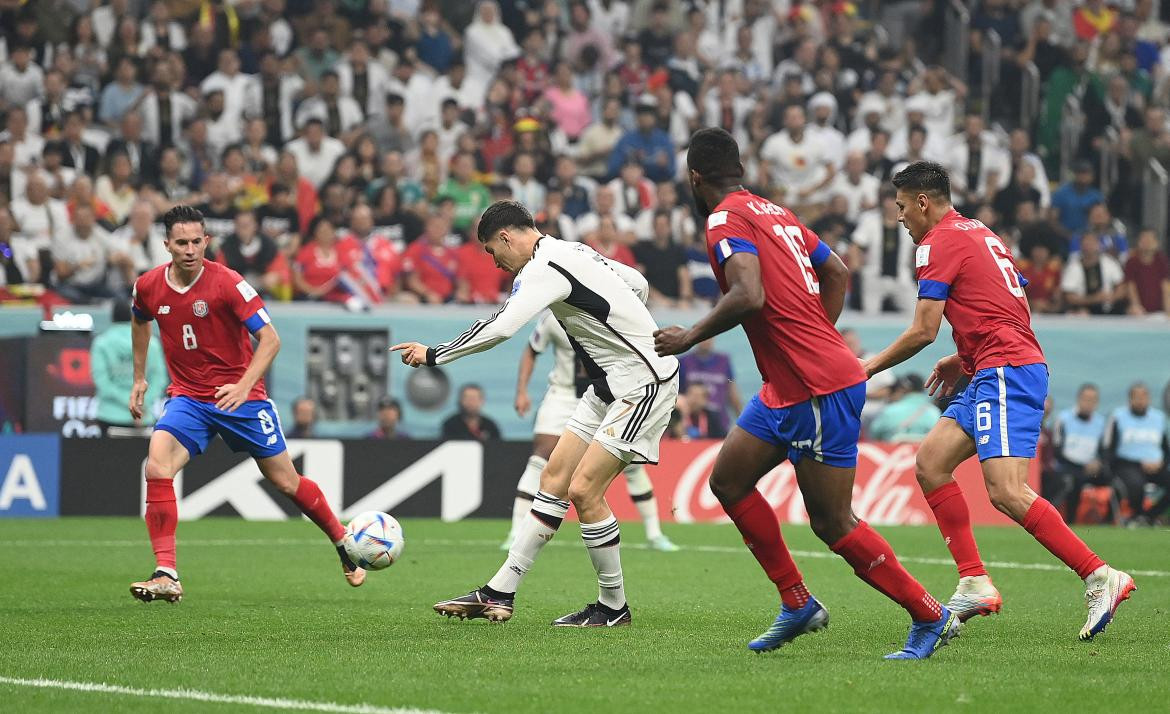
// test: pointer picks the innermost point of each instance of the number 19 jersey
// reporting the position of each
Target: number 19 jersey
(961, 261)
(798, 351)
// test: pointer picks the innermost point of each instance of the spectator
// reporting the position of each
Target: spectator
(1093, 19)
(599, 140)
(115, 189)
(82, 260)
(1022, 189)
(682, 218)
(315, 153)
(304, 410)
(885, 251)
(587, 38)
(253, 255)
(121, 94)
(553, 221)
(471, 197)
(1093, 282)
(340, 115)
(219, 210)
(909, 416)
(569, 107)
(143, 156)
(487, 44)
(577, 191)
(713, 369)
(317, 270)
(469, 423)
(269, 98)
(398, 226)
(647, 144)
(799, 168)
(389, 419)
(142, 239)
(278, 219)
(434, 46)
(21, 79)
(430, 264)
(633, 192)
(1042, 270)
(19, 264)
(978, 167)
(110, 358)
(606, 241)
(317, 56)
(43, 221)
(1077, 439)
(664, 263)
(1072, 201)
(364, 80)
(80, 156)
(1136, 447)
(859, 188)
(525, 188)
(699, 419)
(477, 279)
(1110, 233)
(379, 256)
(1147, 276)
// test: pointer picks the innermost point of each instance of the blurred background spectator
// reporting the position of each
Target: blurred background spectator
(707, 366)
(470, 423)
(111, 359)
(1136, 445)
(1077, 436)
(304, 419)
(909, 415)
(389, 419)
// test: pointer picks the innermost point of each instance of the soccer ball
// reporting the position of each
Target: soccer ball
(375, 540)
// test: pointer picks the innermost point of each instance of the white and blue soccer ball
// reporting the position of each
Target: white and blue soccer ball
(374, 540)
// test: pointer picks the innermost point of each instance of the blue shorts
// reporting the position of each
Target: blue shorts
(825, 428)
(254, 427)
(1002, 409)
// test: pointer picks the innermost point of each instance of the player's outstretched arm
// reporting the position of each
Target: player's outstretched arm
(744, 296)
(927, 319)
(834, 279)
(229, 397)
(140, 342)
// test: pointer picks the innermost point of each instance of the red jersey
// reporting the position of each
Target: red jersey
(319, 268)
(961, 261)
(436, 266)
(204, 327)
(480, 271)
(798, 351)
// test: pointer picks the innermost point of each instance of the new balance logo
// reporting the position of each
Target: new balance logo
(164, 309)
(947, 541)
(878, 561)
(984, 439)
(272, 439)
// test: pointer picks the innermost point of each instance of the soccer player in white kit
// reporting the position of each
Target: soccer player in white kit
(567, 382)
(620, 419)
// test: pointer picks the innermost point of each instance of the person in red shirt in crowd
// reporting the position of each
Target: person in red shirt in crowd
(304, 194)
(1147, 276)
(1042, 270)
(606, 242)
(532, 68)
(633, 71)
(372, 263)
(318, 265)
(477, 279)
(430, 266)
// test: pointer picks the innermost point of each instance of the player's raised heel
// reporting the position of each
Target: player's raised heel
(477, 604)
(926, 637)
(975, 597)
(790, 624)
(1104, 593)
(160, 587)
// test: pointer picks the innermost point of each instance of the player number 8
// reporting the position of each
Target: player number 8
(189, 338)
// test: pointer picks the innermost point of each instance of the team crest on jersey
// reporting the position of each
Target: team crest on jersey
(515, 287)
(200, 308)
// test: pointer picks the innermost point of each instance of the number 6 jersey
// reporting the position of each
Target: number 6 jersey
(204, 327)
(961, 261)
(798, 351)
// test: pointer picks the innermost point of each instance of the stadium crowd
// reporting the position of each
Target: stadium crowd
(341, 150)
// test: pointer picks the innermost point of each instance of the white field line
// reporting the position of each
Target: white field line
(196, 695)
(720, 549)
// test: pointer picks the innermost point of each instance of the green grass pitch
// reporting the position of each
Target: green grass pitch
(267, 614)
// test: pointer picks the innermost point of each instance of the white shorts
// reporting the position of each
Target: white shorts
(555, 410)
(632, 425)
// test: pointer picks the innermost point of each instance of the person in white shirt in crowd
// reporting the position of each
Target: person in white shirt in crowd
(869, 120)
(270, 96)
(682, 220)
(802, 63)
(165, 109)
(632, 191)
(554, 221)
(1020, 150)
(598, 139)
(892, 103)
(315, 152)
(526, 190)
(725, 105)
(935, 148)
(487, 43)
(52, 171)
(859, 188)
(19, 262)
(449, 128)
(223, 129)
(340, 115)
(1093, 282)
(822, 107)
(421, 102)
(886, 252)
(363, 79)
(796, 163)
(21, 79)
(42, 219)
(106, 18)
(939, 95)
(604, 204)
(27, 146)
(978, 166)
(231, 80)
(158, 29)
(82, 260)
(141, 239)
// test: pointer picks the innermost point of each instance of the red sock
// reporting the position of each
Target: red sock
(313, 504)
(954, 521)
(757, 522)
(162, 518)
(873, 561)
(1046, 526)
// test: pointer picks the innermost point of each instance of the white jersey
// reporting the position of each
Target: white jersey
(599, 302)
(550, 334)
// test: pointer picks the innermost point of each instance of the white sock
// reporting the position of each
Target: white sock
(603, 541)
(534, 532)
(528, 485)
(642, 494)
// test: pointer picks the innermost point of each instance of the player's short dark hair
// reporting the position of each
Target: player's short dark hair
(182, 214)
(924, 177)
(714, 154)
(501, 215)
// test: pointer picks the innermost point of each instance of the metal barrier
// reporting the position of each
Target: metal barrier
(1072, 124)
(1110, 159)
(1029, 95)
(1155, 196)
(956, 29)
(992, 48)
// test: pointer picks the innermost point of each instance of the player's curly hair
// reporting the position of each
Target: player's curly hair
(925, 177)
(501, 215)
(714, 154)
(182, 214)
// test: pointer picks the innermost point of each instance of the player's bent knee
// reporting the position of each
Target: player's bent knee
(728, 490)
(157, 469)
(830, 529)
(584, 493)
(1009, 501)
